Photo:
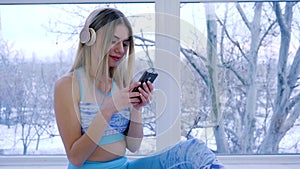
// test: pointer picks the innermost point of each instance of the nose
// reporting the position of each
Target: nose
(119, 47)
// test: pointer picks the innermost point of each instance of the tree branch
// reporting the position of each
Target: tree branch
(144, 39)
(229, 130)
(226, 65)
(236, 43)
(243, 15)
(267, 32)
(223, 35)
(294, 101)
(290, 121)
(294, 70)
(146, 50)
(283, 26)
(187, 53)
(288, 15)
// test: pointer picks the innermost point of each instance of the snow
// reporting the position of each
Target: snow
(11, 143)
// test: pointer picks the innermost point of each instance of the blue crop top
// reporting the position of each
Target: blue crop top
(88, 110)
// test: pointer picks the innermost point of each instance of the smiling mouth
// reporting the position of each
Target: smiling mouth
(115, 58)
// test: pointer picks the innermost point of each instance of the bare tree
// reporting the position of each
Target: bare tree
(287, 105)
(5, 107)
(213, 73)
(284, 112)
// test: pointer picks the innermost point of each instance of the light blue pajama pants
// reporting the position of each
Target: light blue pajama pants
(191, 154)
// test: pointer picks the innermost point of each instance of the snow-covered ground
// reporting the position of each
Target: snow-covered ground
(11, 143)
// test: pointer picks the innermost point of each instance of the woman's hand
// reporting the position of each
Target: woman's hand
(125, 98)
(145, 93)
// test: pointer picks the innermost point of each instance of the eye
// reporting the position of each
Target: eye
(114, 42)
(126, 43)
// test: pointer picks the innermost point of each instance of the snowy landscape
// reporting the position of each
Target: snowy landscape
(11, 144)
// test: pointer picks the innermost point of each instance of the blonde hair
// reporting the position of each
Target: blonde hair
(105, 20)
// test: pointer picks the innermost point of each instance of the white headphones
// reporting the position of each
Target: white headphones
(88, 35)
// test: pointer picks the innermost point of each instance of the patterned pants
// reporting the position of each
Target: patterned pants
(191, 154)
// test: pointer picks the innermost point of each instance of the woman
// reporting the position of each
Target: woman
(98, 116)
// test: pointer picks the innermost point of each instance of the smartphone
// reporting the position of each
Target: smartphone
(147, 76)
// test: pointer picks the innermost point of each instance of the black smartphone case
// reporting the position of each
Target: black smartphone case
(147, 76)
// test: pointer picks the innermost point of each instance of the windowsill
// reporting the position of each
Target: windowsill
(260, 159)
(231, 160)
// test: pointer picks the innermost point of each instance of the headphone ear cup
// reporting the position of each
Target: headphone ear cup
(92, 35)
(84, 35)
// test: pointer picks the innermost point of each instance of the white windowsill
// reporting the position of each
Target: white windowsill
(230, 160)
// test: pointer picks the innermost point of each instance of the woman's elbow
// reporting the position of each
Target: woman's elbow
(134, 145)
(76, 164)
(133, 149)
(75, 161)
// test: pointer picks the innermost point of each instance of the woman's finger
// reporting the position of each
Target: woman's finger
(145, 87)
(143, 98)
(133, 85)
(143, 92)
(150, 86)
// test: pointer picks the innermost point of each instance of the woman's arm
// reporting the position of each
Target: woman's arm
(135, 132)
(78, 147)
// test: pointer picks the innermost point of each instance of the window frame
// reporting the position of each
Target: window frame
(172, 135)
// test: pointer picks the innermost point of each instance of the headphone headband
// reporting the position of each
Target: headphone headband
(87, 35)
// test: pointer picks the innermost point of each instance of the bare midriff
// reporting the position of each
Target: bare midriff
(109, 152)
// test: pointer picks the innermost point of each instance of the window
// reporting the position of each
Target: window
(229, 92)
(243, 61)
(37, 47)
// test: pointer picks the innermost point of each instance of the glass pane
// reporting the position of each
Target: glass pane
(242, 59)
(38, 45)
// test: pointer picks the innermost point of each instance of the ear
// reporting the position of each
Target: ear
(93, 37)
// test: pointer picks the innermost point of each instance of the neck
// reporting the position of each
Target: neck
(105, 85)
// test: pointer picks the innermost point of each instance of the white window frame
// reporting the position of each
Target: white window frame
(172, 135)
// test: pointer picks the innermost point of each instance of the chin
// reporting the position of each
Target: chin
(113, 64)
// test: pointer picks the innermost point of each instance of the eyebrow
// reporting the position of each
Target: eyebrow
(120, 38)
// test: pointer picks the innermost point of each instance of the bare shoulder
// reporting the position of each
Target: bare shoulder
(66, 88)
(64, 81)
